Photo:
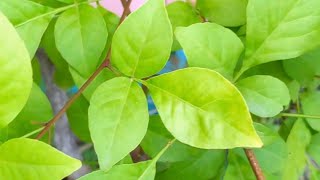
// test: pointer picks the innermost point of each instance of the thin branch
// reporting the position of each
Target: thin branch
(300, 115)
(254, 164)
(124, 2)
(106, 63)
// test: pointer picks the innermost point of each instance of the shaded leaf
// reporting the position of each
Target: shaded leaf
(225, 12)
(310, 105)
(181, 14)
(265, 95)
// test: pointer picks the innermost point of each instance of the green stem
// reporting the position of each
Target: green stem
(55, 11)
(299, 115)
(33, 132)
(238, 74)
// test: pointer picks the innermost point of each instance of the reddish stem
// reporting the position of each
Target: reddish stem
(254, 164)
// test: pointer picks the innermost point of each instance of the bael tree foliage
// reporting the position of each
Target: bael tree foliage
(252, 82)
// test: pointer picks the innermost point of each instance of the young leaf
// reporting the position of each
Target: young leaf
(81, 36)
(141, 45)
(265, 95)
(181, 14)
(62, 75)
(224, 12)
(280, 30)
(297, 142)
(304, 68)
(211, 114)
(36, 111)
(78, 118)
(210, 46)
(29, 19)
(31, 159)
(16, 73)
(310, 106)
(181, 160)
(118, 119)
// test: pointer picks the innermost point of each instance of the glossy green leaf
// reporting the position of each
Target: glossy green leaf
(211, 114)
(29, 19)
(304, 68)
(297, 142)
(118, 119)
(181, 160)
(225, 12)
(36, 112)
(314, 148)
(265, 95)
(310, 106)
(141, 45)
(103, 76)
(78, 119)
(211, 46)
(181, 14)
(81, 36)
(34, 160)
(280, 30)
(62, 75)
(16, 72)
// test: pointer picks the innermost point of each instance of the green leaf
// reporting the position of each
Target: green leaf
(62, 75)
(280, 30)
(181, 160)
(124, 171)
(78, 119)
(274, 150)
(31, 159)
(225, 12)
(304, 68)
(16, 72)
(112, 21)
(238, 166)
(211, 46)
(36, 112)
(141, 45)
(181, 14)
(314, 148)
(211, 114)
(21, 13)
(50, 3)
(310, 106)
(297, 142)
(78, 44)
(103, 76)
(118, 119)
(265, 95)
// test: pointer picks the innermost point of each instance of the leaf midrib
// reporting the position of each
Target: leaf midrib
(271, 33)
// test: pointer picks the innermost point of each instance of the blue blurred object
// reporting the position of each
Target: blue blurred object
(177, 60)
